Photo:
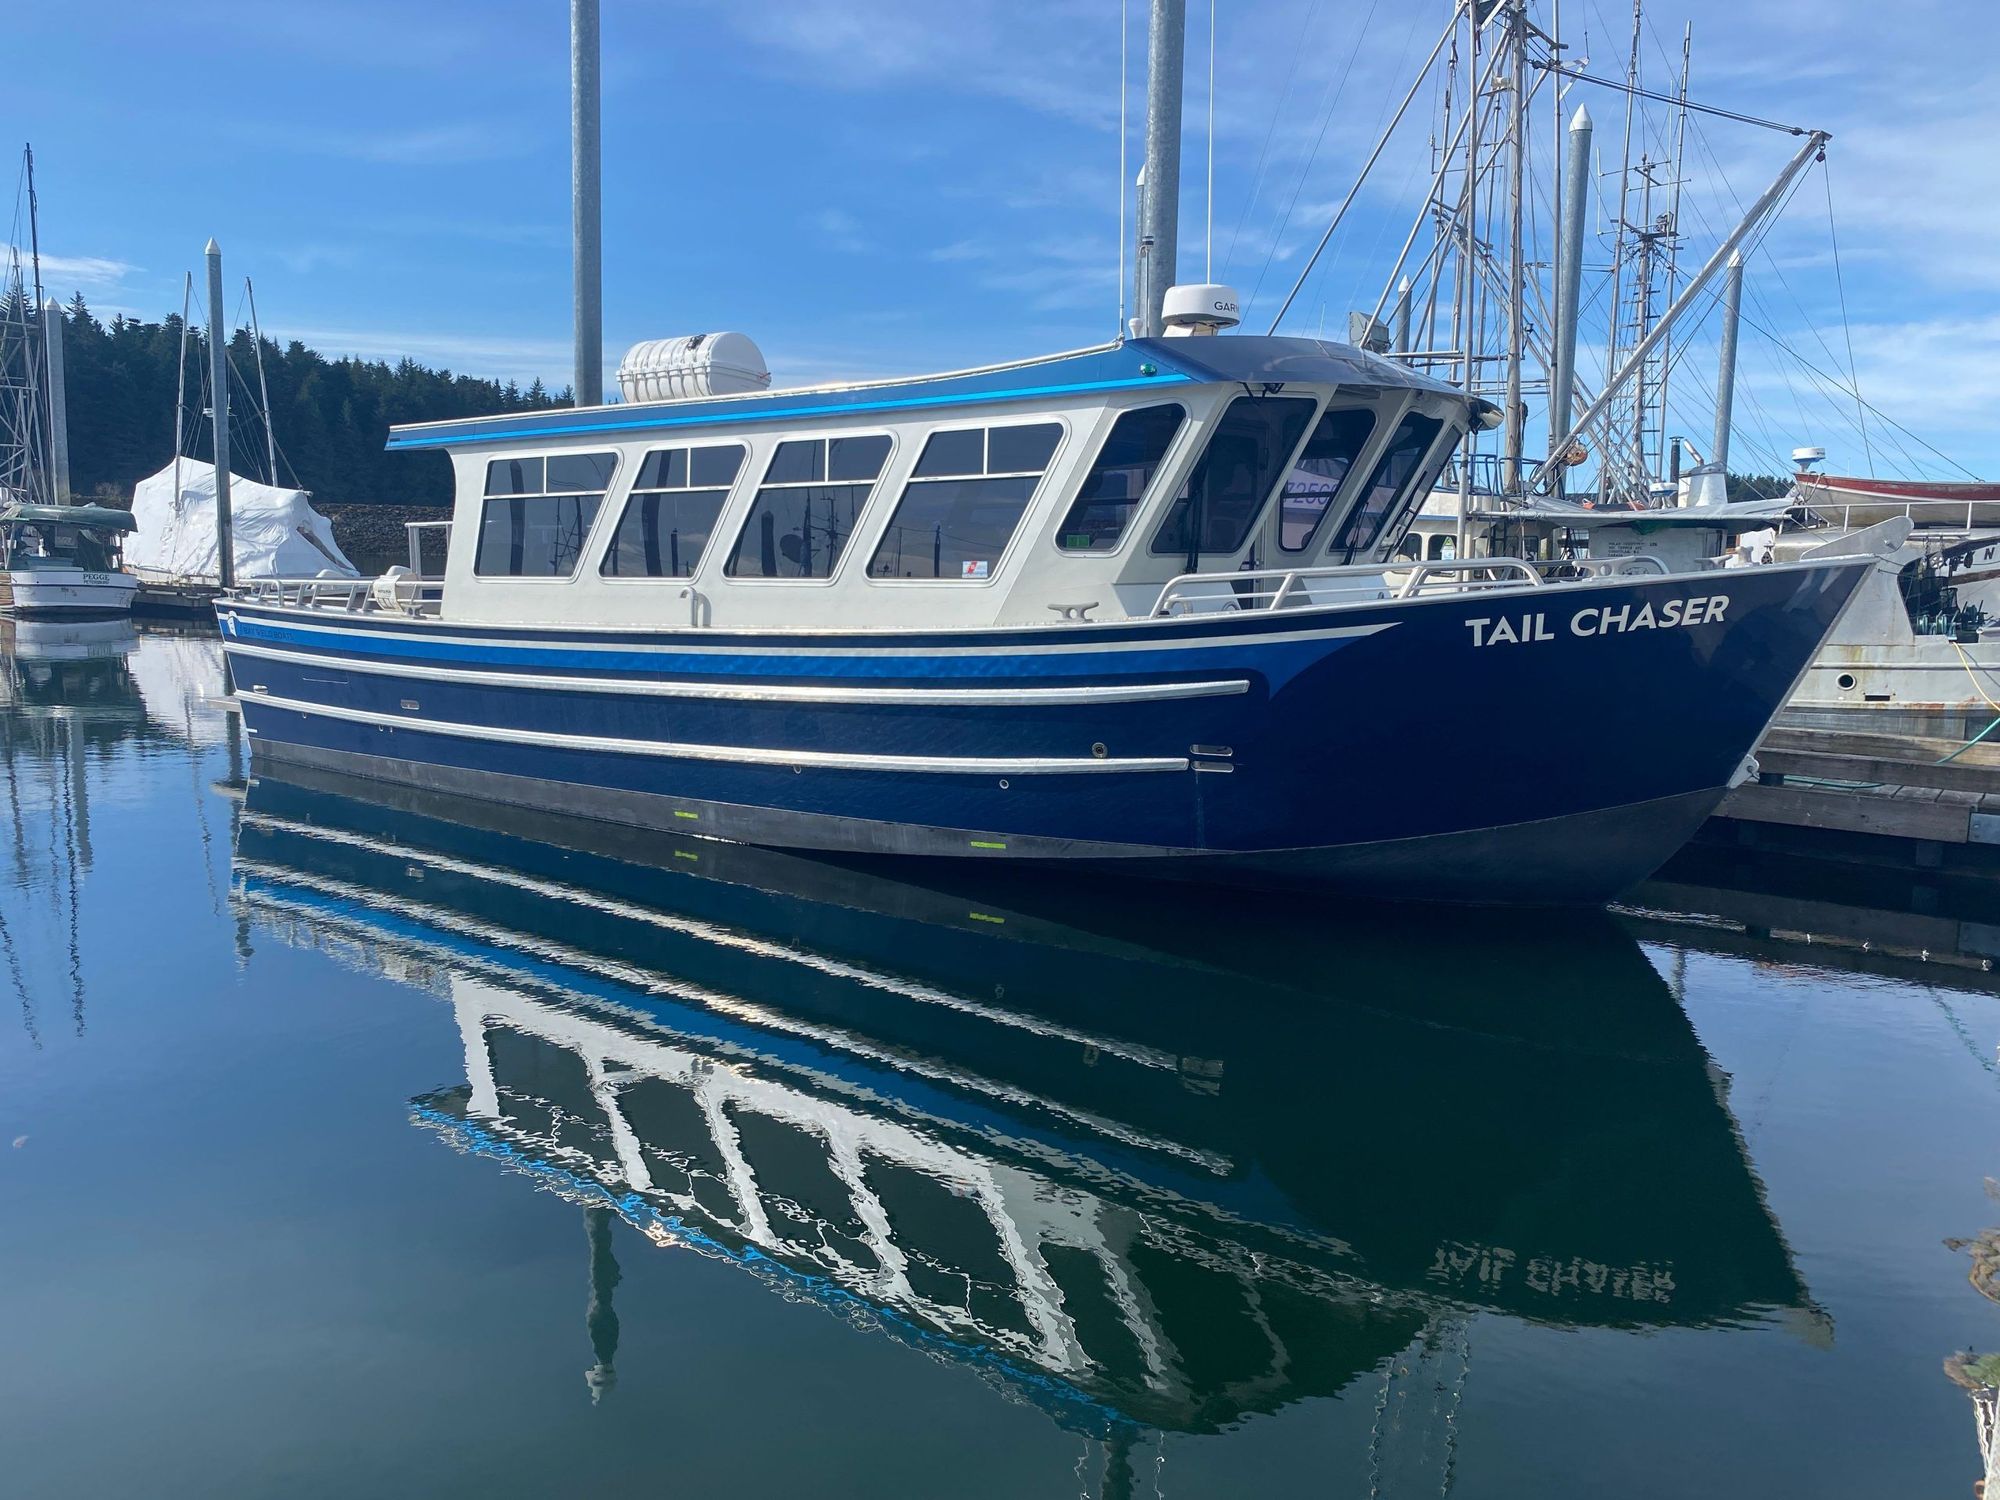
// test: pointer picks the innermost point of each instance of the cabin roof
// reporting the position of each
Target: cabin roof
(92, 517)
(1133, 364)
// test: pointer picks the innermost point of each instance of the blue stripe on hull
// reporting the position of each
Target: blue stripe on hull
(1341, 738)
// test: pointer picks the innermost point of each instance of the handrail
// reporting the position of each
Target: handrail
(1173, 594)
(356, 595)
(1939, 513)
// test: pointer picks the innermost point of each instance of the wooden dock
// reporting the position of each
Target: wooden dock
(176, 601)
(1903, 800)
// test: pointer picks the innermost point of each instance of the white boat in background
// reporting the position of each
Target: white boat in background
(64, 560)
(275, 532)
(1843, 500)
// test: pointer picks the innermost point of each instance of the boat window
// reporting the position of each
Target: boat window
(966, 496)
(805, 511)
(672, 509)
(1318, 474)
(1118, 479)
(1394, 472)
(538, 512)
(1237, 472)
(1443, 548)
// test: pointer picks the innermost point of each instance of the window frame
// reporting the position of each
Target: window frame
(1320, 398)
(1169, 466)
(1429, 464)
(1369, 442)
(1036, 496)
(588, 547)
(748, 509)
(632, 492)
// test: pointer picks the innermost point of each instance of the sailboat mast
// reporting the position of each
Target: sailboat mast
(263, 390)
(180, 383)
(52, 353)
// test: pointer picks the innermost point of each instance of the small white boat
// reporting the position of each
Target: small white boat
(64, 560)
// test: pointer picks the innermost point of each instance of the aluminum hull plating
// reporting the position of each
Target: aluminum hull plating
(66, 591)
(1414, 747)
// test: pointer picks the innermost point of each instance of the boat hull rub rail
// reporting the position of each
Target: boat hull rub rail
(1352, 734)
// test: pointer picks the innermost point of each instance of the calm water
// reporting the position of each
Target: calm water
(362, 1145)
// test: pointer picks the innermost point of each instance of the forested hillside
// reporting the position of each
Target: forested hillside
(330, 416)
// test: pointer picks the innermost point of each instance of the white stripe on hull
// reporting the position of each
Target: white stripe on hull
(737, 754)
(1032, 697)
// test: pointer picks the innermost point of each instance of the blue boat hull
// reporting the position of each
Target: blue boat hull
(1534, 746)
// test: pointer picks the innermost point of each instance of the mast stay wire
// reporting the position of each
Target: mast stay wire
(1263, 151)
(1846, 327)
(1386, 122)
(1337, 87)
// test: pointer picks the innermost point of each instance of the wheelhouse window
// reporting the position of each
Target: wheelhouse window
(965, 499)
(804, 513)
(1314, 483)
(1395, 473)
(666, 522)
(538, 512)
(1119, 477)
(1242, 464)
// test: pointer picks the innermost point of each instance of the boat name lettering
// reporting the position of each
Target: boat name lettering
(1599, 619)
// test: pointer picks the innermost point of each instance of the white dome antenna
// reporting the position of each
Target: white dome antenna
(1805, 458)
(1204, 308)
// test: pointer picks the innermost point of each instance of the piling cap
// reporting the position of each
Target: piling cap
(1580, 120)
(211, 248)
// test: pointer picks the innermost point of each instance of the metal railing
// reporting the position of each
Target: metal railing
(390, 593)
(1932, 515)
(1274, 588)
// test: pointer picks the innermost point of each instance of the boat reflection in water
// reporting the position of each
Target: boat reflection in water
(1151, 1161)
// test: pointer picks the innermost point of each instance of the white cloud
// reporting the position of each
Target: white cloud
(837, 229)
(87, 272)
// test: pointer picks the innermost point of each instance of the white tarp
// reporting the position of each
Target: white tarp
(277, 532)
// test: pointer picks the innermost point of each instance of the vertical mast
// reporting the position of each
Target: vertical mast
(1618, 227)
(1517, 129)
(1400, 337)
(586, 205)
(218, 375)
(1569, 279)
(1462, 317)
(1674, 226)
(34, 223)
(180, 384)
(263, 389)
(37, 476)
(52, 345)
(1160, 203)
(1725, 376)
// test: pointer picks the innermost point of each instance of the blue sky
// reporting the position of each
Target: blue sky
(874, 187)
